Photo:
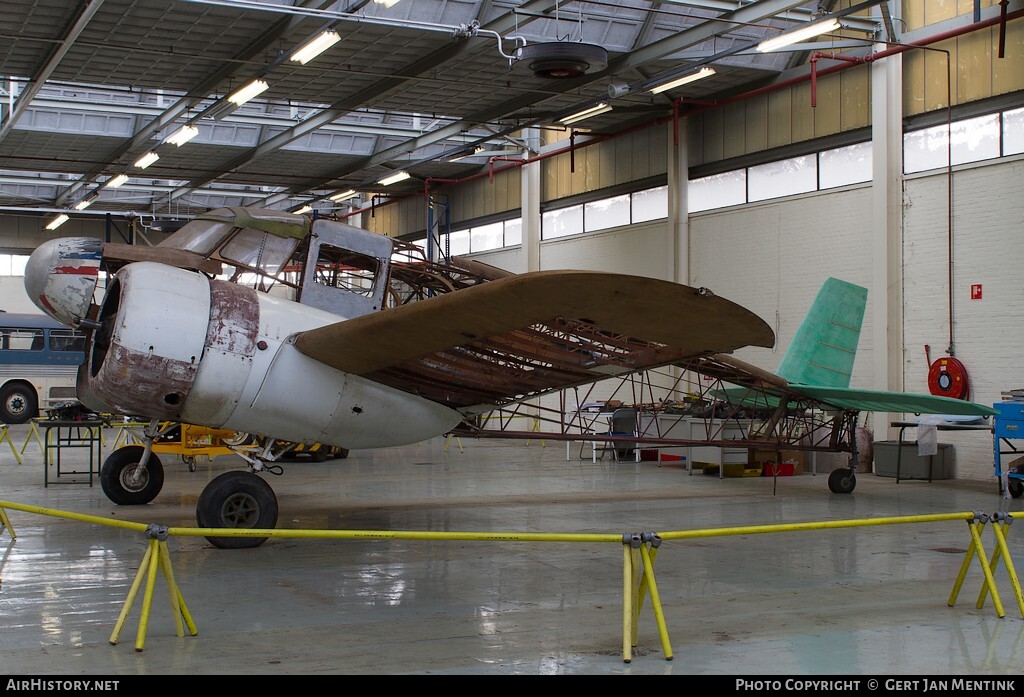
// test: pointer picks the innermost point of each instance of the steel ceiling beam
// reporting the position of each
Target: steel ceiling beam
(502, 24)
(51, 63)
(173, 112)
(747, 14)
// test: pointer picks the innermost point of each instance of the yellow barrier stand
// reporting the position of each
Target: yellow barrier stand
(157, 556)
(5, 522)
(448, 441)
(6, 436)
(1001, 524)
(659, 615)
(33, 431)
(627, 598)
(976, 548)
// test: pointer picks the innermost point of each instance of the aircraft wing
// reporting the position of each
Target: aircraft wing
(520, 336)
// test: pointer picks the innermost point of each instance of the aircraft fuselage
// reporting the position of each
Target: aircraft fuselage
(173, 344)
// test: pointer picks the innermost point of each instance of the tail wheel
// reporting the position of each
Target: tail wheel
(842, 480)
(1016, 488)
(237, 500)
(124, 483)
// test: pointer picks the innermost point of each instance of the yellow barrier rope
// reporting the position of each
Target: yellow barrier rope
(639, 553)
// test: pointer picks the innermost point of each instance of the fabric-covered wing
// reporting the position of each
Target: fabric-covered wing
(516, 337)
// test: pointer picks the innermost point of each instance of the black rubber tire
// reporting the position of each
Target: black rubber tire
(1016, 487)
(115, 472)
(842, 480)
(340, 453)
(18, 404)
(319, 455)
(237, 500)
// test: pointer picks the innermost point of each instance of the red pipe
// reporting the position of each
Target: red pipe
(866, 59)
(704, 105)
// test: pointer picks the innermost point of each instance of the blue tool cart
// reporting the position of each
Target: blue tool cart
(1009, 425)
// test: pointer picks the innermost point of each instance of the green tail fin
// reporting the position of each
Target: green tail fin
(825, 345)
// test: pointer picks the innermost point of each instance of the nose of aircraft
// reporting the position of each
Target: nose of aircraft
(61, 276)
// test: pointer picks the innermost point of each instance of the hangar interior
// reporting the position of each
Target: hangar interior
(653, 138)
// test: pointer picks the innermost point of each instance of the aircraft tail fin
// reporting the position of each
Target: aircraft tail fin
(825, 345)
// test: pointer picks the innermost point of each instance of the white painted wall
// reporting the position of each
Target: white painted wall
(13, 297)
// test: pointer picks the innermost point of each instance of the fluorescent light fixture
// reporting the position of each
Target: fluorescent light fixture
(797, 35)
(344, 195)
(304, 209)
(587, 113)
(117, 181)
(83, 204)
(244, 94)
(146, 160)
(57, 222)
(314, 47)
(393, 178)
(386, 3)
(183, 135)
(699, 75)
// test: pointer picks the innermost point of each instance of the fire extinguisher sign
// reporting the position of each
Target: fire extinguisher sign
(975, 291)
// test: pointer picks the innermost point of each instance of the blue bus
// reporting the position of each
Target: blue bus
(39, 361)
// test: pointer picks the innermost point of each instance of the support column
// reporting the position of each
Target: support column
(678, 253)
(886, 291)
(530, 203)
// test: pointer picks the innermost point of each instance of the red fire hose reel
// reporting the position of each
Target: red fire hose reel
(947, 377)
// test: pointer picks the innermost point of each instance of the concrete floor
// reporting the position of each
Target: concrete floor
(864, 601)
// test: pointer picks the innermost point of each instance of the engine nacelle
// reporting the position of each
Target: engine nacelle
(155, 325)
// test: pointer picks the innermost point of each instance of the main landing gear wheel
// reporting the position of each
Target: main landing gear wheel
(119, 470)
(842, 480)
(237, 500)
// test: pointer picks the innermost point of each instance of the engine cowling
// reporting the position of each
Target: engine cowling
(159, 328)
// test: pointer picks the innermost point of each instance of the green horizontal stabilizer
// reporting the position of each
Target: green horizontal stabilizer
(876, 400)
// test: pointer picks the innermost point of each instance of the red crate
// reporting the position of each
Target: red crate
(778, 469)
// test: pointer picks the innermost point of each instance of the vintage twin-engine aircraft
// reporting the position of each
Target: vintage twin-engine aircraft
(378, 348)
(319, 332)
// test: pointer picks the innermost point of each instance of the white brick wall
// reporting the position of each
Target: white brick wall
(988, 334)
(772, 258)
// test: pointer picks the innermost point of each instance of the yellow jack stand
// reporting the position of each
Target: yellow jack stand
(639, 552)
(156, 555)
(6, 436)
